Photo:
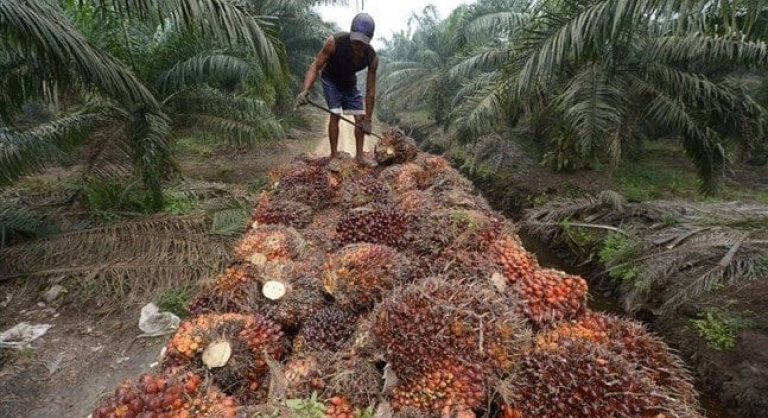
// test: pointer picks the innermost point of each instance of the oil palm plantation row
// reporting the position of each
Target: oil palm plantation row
(146, 68)
(122, 79)
(593, 78)
(105, 87)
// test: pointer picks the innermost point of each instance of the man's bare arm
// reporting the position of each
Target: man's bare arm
(370, 88)
(329, 47)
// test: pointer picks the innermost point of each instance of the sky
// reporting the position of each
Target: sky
(390, 15)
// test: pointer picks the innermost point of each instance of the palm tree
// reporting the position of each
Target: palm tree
(44, 53)
(415, 66)
(596, 73)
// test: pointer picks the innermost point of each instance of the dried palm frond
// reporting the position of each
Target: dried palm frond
(125, 260)
(697, 261)
(681, 250)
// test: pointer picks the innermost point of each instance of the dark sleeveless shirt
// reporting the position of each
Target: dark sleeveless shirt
(339, 68)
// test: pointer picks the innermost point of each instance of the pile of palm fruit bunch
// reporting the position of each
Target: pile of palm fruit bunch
(169, 395)
(396, 289)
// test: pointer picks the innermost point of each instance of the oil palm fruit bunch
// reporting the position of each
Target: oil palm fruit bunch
(228, 292)
(268, 243)
(439, 175)
(275, 210)
(447, 388)
(303, 375)
(363, 342)
(474, 230)
(355, 376)
(395, 147)
(328, 329)
(432, 233)
(233, 347)
(588, 328)
(310, 159)
(339, 407)
(329, 373)
(465, 230)
(417, 203)
(630, 340)
(517, 263)
(402, 177)
(358, 275)
(580, 379)
(301, 296)
(205, 303)
(552, 295)
(307, 184)
(375, 224)
(458, 264)
(163, 396)
(364, 190)
(437, 319)
(462, 198)
(432, 164)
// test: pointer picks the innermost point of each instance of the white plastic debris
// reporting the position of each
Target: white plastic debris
(154, 323)
(53, 293)
(21, 335)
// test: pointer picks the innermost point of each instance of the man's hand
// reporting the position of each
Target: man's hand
(301, 99)
(366, 124)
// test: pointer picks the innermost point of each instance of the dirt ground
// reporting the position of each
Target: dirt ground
(79, 360)
(84, 356)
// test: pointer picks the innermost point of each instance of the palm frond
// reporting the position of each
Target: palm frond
(226, 20)
(24, 152)
(698, 139)
(482, 59)
(147, 133)
(710, 245)
(239, 119)
(21, 219)
(172, 240)
(595, 107)
(39, 28)
(697, 46)
(495, 25)
(230, 222)
(202, 69)
(22, 80)
(479, 110)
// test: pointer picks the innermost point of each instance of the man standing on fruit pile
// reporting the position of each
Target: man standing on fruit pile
(342, 56)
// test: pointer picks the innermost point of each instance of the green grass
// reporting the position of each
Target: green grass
(175, 301)
(618, 253)
(108, 199)
(719, 330)
(665, 172)
(179, 204)
(199, 146)
(650, 180)
(417, 117)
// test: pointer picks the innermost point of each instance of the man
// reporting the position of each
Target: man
(342, 56)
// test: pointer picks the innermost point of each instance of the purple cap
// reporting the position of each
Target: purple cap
(362, 28)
